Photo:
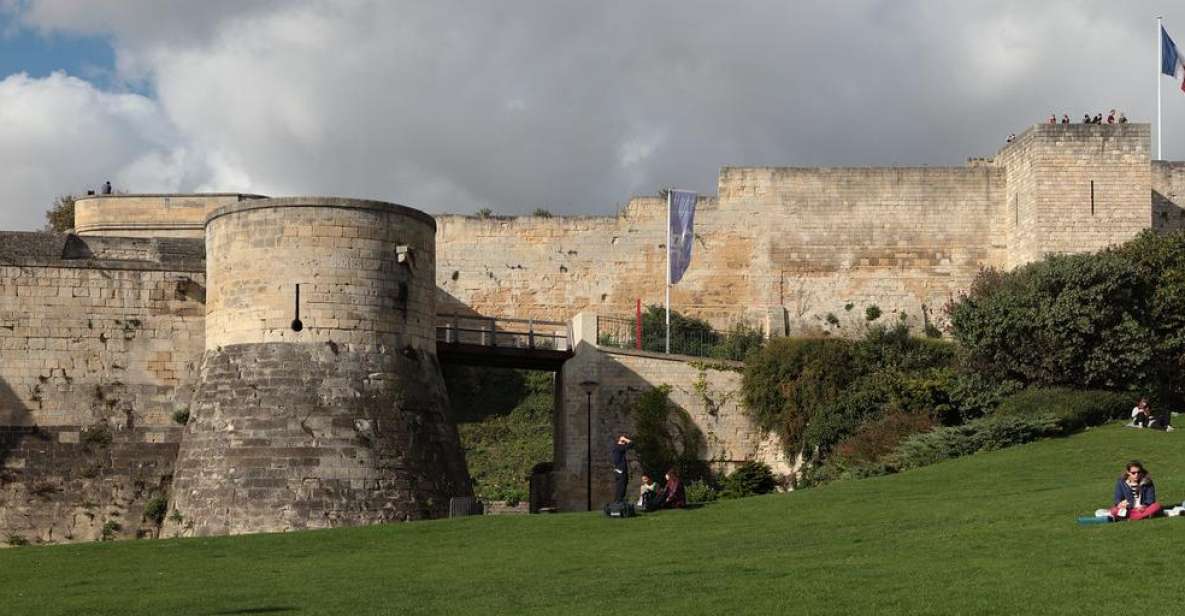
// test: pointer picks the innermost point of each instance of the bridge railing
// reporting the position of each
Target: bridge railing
(502, 332)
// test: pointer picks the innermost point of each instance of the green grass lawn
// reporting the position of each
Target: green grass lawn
(993, 533)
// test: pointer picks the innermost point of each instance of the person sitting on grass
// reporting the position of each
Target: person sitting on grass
(1135, 495)
(1141, 414)
(673, 495)
(648, 493)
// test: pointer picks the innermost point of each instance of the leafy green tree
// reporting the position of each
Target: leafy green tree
(60, 216)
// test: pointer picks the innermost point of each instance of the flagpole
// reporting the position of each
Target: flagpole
(668, 300)
(1159, 64)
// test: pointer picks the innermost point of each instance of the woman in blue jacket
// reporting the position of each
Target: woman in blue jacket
(1135, 494)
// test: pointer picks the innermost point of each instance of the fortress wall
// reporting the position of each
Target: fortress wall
(809, 240)
(707, 394)
(338, 420)
(1081, 187)
(149, 215)
(899, 238)
(95, 357)
(1168, 195)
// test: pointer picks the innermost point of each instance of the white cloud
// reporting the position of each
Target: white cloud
(60, 135)
(568, 106)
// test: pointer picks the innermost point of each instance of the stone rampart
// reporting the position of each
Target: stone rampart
(143, 215)
(799, 244)
(99, 347)
(336, 416)
(1168, 195)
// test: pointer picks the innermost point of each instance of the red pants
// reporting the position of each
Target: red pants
(1137, 514)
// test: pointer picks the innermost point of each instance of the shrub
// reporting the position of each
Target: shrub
(155, 509)
(541, 213)
(736, 344)
(110, 529)
(98, 435)
(984, 434)
(832, 319)
(749, 479)
(875, 439)
(181, 415)
(485, 212)
(1073, 409)
(1109, 320)
(700, 492)
(872, 313)
(16, 540)
(788, 380)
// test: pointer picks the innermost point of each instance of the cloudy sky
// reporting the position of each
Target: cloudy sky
(569, 106)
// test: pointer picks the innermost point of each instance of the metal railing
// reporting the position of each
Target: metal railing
(502, 332)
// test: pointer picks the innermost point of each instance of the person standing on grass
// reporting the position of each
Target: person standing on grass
(621, 467)
(1135, 494)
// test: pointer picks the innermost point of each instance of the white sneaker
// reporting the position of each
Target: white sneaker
(1169, 428)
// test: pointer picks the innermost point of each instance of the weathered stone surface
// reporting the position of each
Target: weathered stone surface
(341, 421)
(287, 436)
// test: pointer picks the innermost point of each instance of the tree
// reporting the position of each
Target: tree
(485, 212)
(541, 213)
(60, 217)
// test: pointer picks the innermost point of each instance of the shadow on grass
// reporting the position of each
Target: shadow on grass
(258, 610)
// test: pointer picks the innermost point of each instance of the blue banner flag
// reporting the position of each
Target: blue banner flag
(1170, 58)
(682, 216)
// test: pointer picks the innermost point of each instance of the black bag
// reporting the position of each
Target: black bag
(620, 510)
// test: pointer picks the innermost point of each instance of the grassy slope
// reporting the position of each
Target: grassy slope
(1002, 539)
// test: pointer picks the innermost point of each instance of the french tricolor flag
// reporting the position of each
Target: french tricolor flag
(1171, 61)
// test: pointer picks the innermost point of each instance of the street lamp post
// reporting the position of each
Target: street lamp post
(588, 386)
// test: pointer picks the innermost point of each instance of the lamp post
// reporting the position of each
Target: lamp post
(588, 386)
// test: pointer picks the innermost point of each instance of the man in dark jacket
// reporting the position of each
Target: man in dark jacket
(621, 467)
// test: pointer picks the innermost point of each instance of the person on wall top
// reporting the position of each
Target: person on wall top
(1135, 494)
(621, 467)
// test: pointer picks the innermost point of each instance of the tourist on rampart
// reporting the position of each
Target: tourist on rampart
(1111, 117)
(1135, 494)
(647, 493)
(1052, 118)
(621, 467)
(1098, 119)
(1065, 118)
(1122, 118)
(1086, 118)
(106, 187)
(673, 495)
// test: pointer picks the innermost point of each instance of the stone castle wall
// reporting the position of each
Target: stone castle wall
(796, 245)
(705, 401)
(99, 346)
(1168, 195)
(143, 215)
(339, 418)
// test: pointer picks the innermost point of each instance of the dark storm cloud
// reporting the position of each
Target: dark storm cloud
(575, 106)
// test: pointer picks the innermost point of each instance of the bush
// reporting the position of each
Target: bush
(155, 509)
(98, 435)
(1073, 409)
(984, 434)
(749, 479)
(872, 313)
(814, 393)
(875, 439)
(181, 416)
(16, 540)
(700, 492)
(736, 344)
(1109, 320)
(110, 529)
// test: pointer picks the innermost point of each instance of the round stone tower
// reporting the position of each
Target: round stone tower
(320, 401)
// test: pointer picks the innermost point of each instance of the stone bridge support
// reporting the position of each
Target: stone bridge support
(705, 391)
